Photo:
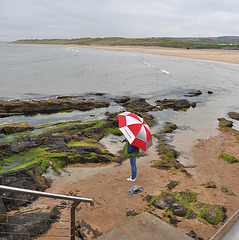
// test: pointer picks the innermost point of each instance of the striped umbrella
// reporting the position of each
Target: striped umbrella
(135, 129)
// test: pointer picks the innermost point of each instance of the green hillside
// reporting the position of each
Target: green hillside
(210, 42)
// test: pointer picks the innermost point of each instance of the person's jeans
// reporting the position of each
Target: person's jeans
(133, 167)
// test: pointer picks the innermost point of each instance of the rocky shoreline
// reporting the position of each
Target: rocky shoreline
(78, 142)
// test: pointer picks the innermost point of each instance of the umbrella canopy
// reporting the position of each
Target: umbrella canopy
(135, 129)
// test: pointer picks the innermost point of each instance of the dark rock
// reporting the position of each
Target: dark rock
(172, 185)
(137, 104)
(131, 213)
(174, 104)
(85, 149)
(174, 220)
(213, 213)
(15, 128)
(191, 214)
(233, 115)
(227, 191)
(27, 178)
(148, 198)
(193, 235)
(193, 93)
(32, 224)
(209, 185)
(85, 231)
(123, 100)
(179, 210)
(160, 203)
(210, 92)
(225, 123)
(50, 105)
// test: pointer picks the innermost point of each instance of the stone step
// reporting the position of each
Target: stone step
(144, 226)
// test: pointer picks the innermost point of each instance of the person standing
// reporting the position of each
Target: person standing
(132, 152)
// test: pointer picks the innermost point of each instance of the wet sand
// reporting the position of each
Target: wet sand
(108, 187)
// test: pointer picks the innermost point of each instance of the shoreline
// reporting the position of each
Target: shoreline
(219, 55)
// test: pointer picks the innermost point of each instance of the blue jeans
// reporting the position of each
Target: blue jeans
(133, 167)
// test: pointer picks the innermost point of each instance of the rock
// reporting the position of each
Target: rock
(193, 235)
(172, 185)
(148, 198)
(169, 127)
(210, 92)
(227, 191)
(160, 203)
(50, 105)
(213, 213)
(123, 100)
(233, 115)
(31, 224)
(15, 128)
(191, 214)
(173, 220)
(137, 104)
(131, 213)
(209, 185)
(85, 231)
(174, 104)
(164, 201)
(29, 177)
(193, 93)
(85, 149)
(225, 123)
(179, 210)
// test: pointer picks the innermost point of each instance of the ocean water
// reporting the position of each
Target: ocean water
(35, 72)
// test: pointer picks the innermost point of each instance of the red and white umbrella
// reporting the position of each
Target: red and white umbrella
(135, 129)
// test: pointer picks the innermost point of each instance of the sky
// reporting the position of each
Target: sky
(39, 19)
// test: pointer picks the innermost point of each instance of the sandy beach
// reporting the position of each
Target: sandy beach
(229, 56)
(107, 184)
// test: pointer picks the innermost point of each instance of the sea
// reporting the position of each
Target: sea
(39, 72)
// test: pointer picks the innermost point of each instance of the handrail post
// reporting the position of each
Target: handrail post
(73, 221)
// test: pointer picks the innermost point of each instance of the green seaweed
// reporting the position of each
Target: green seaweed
(228, 158)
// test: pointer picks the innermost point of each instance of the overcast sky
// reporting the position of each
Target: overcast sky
(27, 19)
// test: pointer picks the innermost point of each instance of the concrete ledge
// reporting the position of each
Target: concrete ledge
(144, 226)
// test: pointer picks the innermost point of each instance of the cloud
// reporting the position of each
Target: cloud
(101, 18)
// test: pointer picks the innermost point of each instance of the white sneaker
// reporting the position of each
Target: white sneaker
(131, 180)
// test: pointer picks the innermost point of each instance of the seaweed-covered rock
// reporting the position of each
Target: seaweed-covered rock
(233, 115)
(169, 127)
(213, 213)
(15, 128)
(136, 104)
(50, 105)
(225, 123)
(227, 191)
(172, 185)
(175, 104)
(179, 210)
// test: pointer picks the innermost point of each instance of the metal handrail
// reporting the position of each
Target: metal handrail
(76, 201)
(229, 220)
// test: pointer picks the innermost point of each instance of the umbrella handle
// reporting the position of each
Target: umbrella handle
(125, 140)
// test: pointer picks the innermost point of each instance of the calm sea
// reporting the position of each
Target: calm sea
(44, 71)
